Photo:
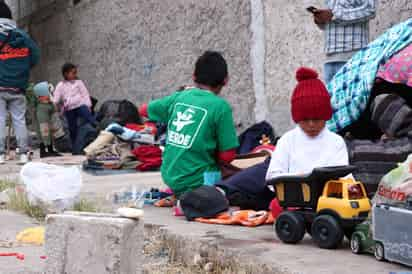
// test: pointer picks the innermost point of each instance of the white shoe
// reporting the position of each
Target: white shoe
(2, 159)
(24, 159)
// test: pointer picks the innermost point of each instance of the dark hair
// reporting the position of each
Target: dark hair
(67, 68)
(211, 69)
(5, 11)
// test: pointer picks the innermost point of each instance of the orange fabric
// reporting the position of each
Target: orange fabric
(249, 218)
(166, 202)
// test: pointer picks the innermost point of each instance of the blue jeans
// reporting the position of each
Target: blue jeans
(330, 69)
(73, 116)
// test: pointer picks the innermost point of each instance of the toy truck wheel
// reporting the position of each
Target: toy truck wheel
(326, 232)
(379, 252)
(356, 244)
(290, 227)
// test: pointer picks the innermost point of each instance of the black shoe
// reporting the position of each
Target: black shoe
(43, 152)
(52, 153)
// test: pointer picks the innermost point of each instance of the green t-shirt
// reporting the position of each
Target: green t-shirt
(200, 124)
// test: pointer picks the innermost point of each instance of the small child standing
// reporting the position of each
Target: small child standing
(73, 94)
(49, 126)
(310, 144)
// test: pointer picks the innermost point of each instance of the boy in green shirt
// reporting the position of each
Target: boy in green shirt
(201, 129)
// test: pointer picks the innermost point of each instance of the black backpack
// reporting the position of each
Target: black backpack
(117, 111)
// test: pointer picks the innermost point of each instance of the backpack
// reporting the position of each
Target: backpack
(251, 137)
(117, 111)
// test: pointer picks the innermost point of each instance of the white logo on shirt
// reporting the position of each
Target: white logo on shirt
(185, 124)
(184, 119)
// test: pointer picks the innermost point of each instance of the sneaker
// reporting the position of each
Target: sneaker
(24, 159)
(2, 159)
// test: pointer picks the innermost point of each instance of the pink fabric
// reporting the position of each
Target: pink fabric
(72, 94)
(399, 68)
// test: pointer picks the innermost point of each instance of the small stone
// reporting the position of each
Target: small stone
(208, 267)
(131, 213)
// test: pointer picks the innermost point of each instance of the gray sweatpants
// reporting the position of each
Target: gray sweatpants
(16, 105)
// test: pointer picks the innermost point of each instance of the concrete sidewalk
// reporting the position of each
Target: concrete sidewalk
(11, 224)
(257, 249)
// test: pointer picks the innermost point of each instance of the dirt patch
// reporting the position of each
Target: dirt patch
(171, 254)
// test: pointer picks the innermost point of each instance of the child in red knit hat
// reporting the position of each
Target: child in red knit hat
(310, 144)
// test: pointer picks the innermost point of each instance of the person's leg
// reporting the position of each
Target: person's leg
(71, 117)
(17, 108)
(330, 70)
(3, 117)
(43, 128)
(85, 113)
(56, 125)
(52, 129)
(43, 117)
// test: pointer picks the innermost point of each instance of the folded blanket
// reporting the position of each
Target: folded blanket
(374, 159)
(149, 156)
(131, 135)
(392, 115)
(248, 218)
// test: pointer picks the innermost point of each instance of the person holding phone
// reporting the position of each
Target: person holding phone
(346, 27)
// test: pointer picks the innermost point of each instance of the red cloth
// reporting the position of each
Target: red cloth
(143, 111)
(310, 99)
(149, 156)
(227, 156)
(138, 128)
(275, 208)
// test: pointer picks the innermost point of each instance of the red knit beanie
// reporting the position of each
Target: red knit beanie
(310, 99)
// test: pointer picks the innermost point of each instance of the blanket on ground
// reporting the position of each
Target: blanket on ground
(248, 218)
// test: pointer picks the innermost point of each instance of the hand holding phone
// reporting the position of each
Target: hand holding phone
(311, 9)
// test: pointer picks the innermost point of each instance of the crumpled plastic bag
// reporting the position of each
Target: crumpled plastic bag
(33, 235)
(51, 184)
(395, 188)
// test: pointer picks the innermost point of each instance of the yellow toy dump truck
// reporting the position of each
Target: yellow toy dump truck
(321, 203)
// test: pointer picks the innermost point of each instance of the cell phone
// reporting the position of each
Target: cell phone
(311, 9)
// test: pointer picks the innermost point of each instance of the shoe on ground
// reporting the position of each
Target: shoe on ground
(24, 159)
(44, 154)
(2, 159)
(54, 154)
(51, 152)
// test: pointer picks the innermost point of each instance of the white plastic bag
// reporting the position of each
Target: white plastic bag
(51, 184)
(395, 188)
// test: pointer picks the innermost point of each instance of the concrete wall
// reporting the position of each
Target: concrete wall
(140, 50)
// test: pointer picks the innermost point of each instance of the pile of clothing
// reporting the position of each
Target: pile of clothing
(374, 158)
(130, 147)
(372, 99)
